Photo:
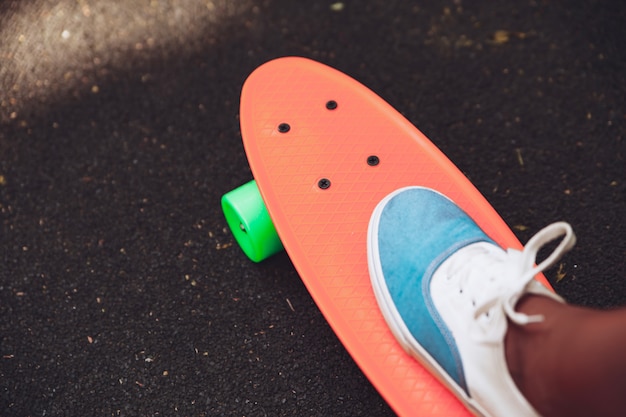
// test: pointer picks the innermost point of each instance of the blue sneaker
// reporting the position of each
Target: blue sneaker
(447, 291)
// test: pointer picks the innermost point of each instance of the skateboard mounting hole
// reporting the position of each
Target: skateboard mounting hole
(284, 127)
(243, 228)
(373, 160)
(324, 183)
(331, 105)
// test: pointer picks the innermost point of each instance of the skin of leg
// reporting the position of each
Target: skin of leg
(573, 363)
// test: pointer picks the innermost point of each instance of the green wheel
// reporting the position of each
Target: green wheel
(250, 222)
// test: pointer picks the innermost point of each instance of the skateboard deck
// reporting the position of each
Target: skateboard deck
(324, 150)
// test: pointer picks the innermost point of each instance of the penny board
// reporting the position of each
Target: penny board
(324, 150)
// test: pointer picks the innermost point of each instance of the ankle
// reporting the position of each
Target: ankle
(534, 351)
(574, 350)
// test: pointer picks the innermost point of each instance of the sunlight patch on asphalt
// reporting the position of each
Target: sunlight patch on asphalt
(56, 48)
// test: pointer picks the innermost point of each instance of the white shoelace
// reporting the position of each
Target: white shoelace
(497, 279)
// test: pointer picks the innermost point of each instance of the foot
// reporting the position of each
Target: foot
(448, 292)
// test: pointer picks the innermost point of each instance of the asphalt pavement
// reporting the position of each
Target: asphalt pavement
(122, 293)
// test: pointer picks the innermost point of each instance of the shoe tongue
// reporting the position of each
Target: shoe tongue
(496, 278)
(484, 262)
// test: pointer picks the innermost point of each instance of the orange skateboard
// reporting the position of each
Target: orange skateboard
(324, 150)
